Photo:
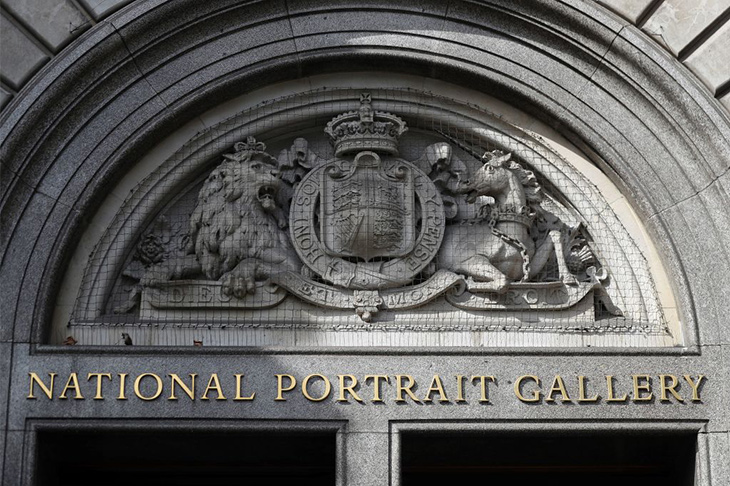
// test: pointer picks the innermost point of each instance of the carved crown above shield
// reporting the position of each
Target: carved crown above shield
(365, 129)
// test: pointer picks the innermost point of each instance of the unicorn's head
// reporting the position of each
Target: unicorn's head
(494, 177)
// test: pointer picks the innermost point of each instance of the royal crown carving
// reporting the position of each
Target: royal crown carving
(365, 129)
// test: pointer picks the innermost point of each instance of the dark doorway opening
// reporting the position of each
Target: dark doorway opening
(163, 457)
(628, 459)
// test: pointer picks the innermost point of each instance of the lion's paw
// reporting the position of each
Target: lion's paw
(240, 281)
(236, 286)
(156, 274)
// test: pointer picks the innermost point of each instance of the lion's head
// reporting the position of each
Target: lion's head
(251, 179)
(236, 195)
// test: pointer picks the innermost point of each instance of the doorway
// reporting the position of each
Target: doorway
(599, 459)
(185, 458)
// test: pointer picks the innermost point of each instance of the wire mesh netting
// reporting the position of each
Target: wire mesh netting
(390, 216)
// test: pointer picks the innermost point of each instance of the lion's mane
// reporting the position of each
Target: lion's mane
(229, 224)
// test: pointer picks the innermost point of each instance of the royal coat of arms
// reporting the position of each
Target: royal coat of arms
(369, 231)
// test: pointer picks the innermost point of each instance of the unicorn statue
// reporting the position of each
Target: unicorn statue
(496, 249)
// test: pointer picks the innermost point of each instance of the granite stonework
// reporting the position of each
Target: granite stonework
(725, 358)
(72, 92)
(681, 26)
(694, 32)
(710, 156)
(725, 100)
(22, 310)
(20, 56)
(641, 117)
(5, 96)
(705, 311)
(373, 468)
(13, 472)
(54, 22)
(102, 8)
(631, 10)
(719, 453)
(367, 433)
(6, 359)
(131, 107)
(3, 437)
(259, 376)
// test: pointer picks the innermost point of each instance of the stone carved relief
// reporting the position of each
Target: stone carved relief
(237, 228)
(367, 231)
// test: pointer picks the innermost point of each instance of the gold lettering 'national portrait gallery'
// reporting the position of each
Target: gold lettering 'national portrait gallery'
(370, 388)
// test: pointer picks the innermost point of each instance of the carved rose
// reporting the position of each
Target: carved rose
(151, 249)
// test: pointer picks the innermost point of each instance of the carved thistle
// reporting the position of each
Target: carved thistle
(367, 231)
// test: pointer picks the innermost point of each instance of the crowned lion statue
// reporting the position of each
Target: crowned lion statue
(237, 228)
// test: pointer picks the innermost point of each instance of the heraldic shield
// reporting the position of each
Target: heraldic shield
(368, 211)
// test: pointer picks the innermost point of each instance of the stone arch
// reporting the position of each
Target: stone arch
(644, 120)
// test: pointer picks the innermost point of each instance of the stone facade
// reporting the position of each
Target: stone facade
(693, 32)
(543, 186)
